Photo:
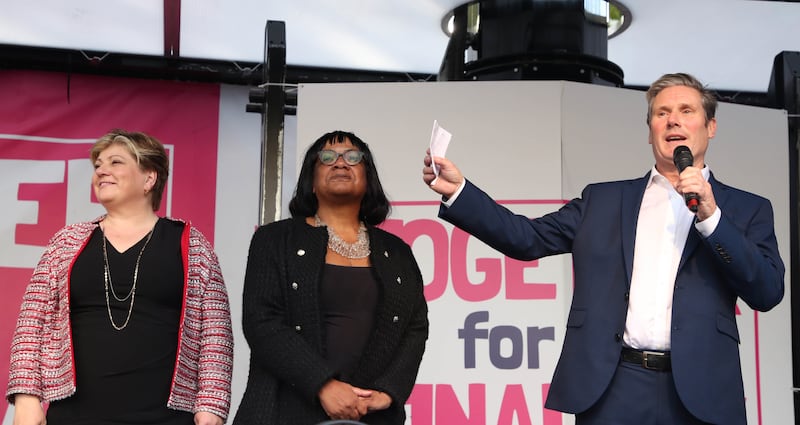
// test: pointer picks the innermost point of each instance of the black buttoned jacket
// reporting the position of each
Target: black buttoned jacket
(283, 326)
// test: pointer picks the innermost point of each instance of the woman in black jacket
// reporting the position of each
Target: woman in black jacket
(334, 311)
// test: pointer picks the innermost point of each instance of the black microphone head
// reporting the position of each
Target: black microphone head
(682, 157)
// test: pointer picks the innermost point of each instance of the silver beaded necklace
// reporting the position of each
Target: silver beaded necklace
(357, 249)
(109, 284)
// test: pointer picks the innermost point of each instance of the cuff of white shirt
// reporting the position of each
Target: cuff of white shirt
(449, 202)
(707, 226)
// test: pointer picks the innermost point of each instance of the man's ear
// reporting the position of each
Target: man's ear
(712, 128)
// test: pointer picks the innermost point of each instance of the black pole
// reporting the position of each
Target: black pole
(269, 99)
(784, 93)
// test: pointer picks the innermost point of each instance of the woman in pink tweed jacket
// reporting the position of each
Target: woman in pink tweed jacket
(126, 318)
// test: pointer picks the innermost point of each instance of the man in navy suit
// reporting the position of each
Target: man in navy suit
(651, 334)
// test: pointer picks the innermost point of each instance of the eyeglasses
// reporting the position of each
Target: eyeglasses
(329, 157)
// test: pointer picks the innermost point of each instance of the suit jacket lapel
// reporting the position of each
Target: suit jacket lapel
(632, 195)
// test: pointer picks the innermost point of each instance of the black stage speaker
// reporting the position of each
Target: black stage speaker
(529, 40)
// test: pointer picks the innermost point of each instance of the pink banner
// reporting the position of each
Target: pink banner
(48, 122)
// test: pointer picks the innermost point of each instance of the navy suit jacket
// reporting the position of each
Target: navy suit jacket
(739, 259)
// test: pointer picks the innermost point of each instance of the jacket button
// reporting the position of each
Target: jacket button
(627, 296)
(294, 285)
(298, 328)
(617, 337)
(399, 281)
(301, 252)
(395, 319)
(386, 254)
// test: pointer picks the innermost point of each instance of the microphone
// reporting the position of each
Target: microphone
(682, 157)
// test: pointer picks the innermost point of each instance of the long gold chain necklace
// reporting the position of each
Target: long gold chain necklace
(108, 283)
(357, 249)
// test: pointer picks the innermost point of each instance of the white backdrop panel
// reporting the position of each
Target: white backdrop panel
(534, 144)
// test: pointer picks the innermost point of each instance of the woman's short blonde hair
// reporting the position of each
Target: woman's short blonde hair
(149, 153)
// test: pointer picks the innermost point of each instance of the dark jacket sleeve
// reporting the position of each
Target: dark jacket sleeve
(746, 252)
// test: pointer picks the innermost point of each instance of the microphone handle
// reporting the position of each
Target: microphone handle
(692, 200)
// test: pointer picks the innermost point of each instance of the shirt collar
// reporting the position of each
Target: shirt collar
(653, 172)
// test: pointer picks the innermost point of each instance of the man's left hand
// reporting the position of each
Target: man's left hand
(691, 180)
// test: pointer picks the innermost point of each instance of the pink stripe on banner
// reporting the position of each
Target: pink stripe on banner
(758, 365)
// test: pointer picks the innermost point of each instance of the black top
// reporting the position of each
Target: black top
(348, 298)
(124, 376)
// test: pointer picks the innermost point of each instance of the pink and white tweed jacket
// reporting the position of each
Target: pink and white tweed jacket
(41, 350)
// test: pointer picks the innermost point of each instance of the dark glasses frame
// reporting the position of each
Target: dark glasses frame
(330, 156)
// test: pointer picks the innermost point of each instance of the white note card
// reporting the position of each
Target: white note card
(440, 139)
